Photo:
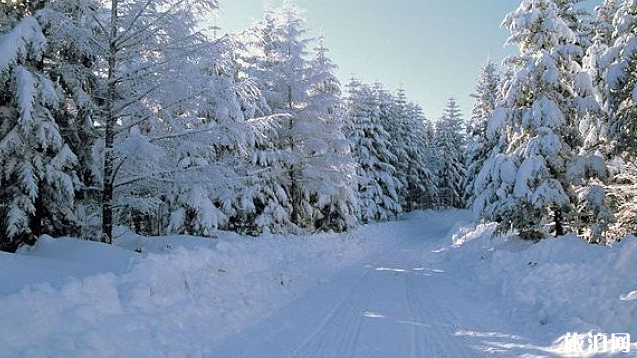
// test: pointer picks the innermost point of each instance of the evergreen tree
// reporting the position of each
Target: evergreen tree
(578, 20)
(330, 199)
(71, 30)
(145, 46)
(281, 68)
(596, 60)
(479, 145)
(619, 65)
(617, 69)
(623, 191)
(38, 168)
(535, 178)
(422, 182)
(213, 188)
(451, 169)
(378, 185)
(393, 112)
(429, 132)
(603, 28)
(306, 95)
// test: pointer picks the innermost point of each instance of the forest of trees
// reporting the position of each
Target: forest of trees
(557, 142)
(131, 114)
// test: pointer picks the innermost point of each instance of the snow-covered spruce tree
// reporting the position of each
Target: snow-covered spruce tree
(208, 144)
(37, 177)
(281, 67)
(449, 143)
(70, 29)
(144, 43)
(309, 140)
(206, 149)
(329, 174)
(404, 121)
(378, 185)
(623, 191)
(595, 127)
(430, 132)
(241, 150)
(578, 20)
(536, 177)
(617, 67)
(479, 145)
(602, 25)
(603, 37)
(422, 181)
(429, 145)
(594, 215)
(392, 114)
(619, 64)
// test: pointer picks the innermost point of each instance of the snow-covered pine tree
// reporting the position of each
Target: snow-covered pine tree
(213, 153)
(378, 185)
(281, 67)
(602, 35)
(449, 143)
(429, 144)
(617, 68)
(70, 29)
(535, 178)
(392, 112)
(37, 177)
(430, 132)
(578, 20)
(602, 25)
(594, 215)
(404, 121)
(310, 143)
(329, 174)
(479, 145)
(595, 127)
(623, 191)
(422, 181)
(267, 198)
(619, 64)
(145, 45)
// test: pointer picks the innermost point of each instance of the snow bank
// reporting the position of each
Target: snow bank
(175, 299)
(55, 260)
(562, 285)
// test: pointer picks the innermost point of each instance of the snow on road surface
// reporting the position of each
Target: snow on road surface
(424, 298)
(403, 289)
(400, 303)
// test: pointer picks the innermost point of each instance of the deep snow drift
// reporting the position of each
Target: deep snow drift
(430, 285)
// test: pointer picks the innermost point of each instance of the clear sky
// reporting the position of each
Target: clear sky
(433, 48)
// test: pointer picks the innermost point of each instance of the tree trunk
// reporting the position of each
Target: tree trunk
(559, 226)
(39, 215)
(294, 187)
(109, 135)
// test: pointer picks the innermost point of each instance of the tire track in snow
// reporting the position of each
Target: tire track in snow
(338, 334)
(401, 306)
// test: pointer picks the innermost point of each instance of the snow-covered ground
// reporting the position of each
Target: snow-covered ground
(551, 288)
(74, 298)
(430, 285)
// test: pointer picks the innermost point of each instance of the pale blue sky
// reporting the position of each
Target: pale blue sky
(433, 48)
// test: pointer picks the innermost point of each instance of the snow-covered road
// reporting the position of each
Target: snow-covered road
(401, 303)
(426, 286)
